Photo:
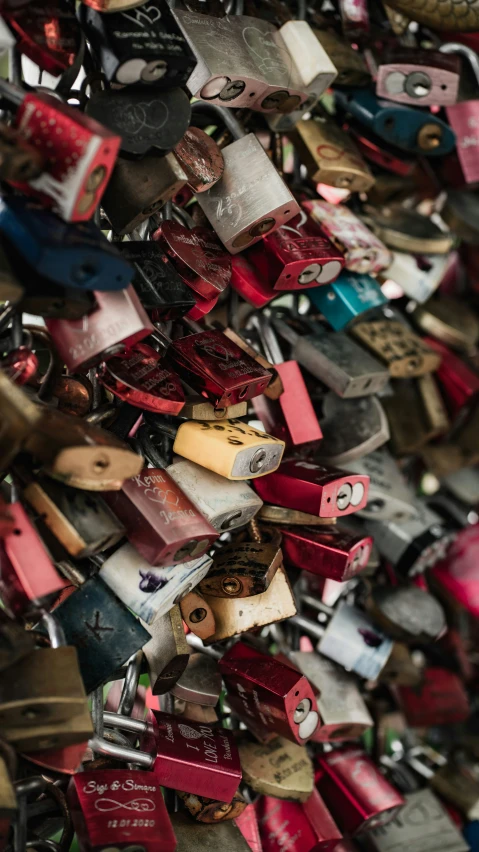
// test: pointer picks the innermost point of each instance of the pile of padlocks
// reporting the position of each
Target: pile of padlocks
(239, 273)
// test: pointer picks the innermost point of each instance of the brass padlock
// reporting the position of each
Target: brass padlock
(416, 414)
(403, 352)
(197, 614)
(280, 768)
(242, 570)
(330, 155)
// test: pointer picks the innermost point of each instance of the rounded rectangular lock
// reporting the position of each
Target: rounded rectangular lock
(156, 282)
(138, 376)
(250, 200)
(67, 254)
(142, 46)
(139, 188)
(119, 320)
(309, 825)
(389, 496)
(238, 615)
(331, 552)
(330, 155)
(419, 78)
(355, 791)
(393, 343)
(229, 447)
(242, 569)
(449, 321)
(249, 284)
(363, 251)
(225, 504)
(71, 185)
(217, 367)
(278, 768)
(344, 714)
(148, 590)
(296, 256)
(275, 387)
(198, 256)
(279, 699)
(315, 489)
(347, 298)
(102, 629)
(406, 128)
(99, 825)
(162, 524)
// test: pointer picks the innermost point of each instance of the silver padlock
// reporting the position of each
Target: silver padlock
(389, 496)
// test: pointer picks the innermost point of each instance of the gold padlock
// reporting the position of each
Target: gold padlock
(401, 350)
(279, 768)
(330, 155)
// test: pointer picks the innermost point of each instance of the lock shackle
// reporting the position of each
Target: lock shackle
(269, 341)
(180, 215)
(221, 114)
(130, 755)
(311, 627)
(149, 449)
(197, 644)
(130, 685)
(311, 601)
(126, 723)
(54, 629)
(466, 52)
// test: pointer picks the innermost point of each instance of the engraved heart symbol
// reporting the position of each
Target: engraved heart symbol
(144, 17)
(132, 118)
(162, 496)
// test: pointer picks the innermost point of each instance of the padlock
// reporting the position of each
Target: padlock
(162, 293)
(251, 199)
(292, 417)
(200, 683)
(192, 837)
(242, 569)
(226, 505)
(422, 823)
(411, 130)
(275, 386)
(419, 78)
(201, 159)
(71, 255)
(15, 641)
(210, 754)
(19, 160)
(359, 797)
(344, 714)
(139, 376)
(167, 653)
(331, 552)
(161, 523)
(408, 231)
(349, 63)
(216, 367)
(343, 443)
(363, 251)
(458, 382)
(197, 408)
(464, 121)
(279, 768)
(309, 487)
(454, 577)
(247, 823)
(391, 159)
(141, 46)
(279, 515)
(76, 171)
(249, 284)
(335, 360)
(389, 496)
(452, 780)
(81, 522)
(428, 417)
(101, 628)
(197, 615)
(309, 826)
(230, 448)
(413, 545)
(198, 257)
(347, 298)
(392, 342)
(80, 454)
(407, 613)
(211, 811)
(350, 638)
(239, 615)
(330, 155)
(50, 37)
(449, 321)
(439, 699)
(463, 17)
(150, 591)
(416, 276)
(149, 122)
(94, 794)
(117, 323)
(139, 188)
(28, 577)
(296, 256)
(269, 696)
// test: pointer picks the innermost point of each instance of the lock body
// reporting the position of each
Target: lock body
(51, 51)
(330, 155)
(225, 504)
(389, 496)
(363, 251)
(419, 277)
(160, 521)
(198, 257)
(250, 200)
(242, 570)
(407, 613)
(278, 699)
(167, 652)
(156, 282)
(464, 120)
(117, 323)
(279, 768)
(423, 823)
(419, 78)
(351, 295)
(328, 551)
(440, 696)
(139, 377)
(309, 825)
(312, 488)
(150, 591)
(292, 417)
(404, 353)
(230, 448)
(354, 789)
(351, 640)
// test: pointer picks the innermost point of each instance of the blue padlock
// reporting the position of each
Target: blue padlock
(72, 255)
(346, 298)
(413, 130)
